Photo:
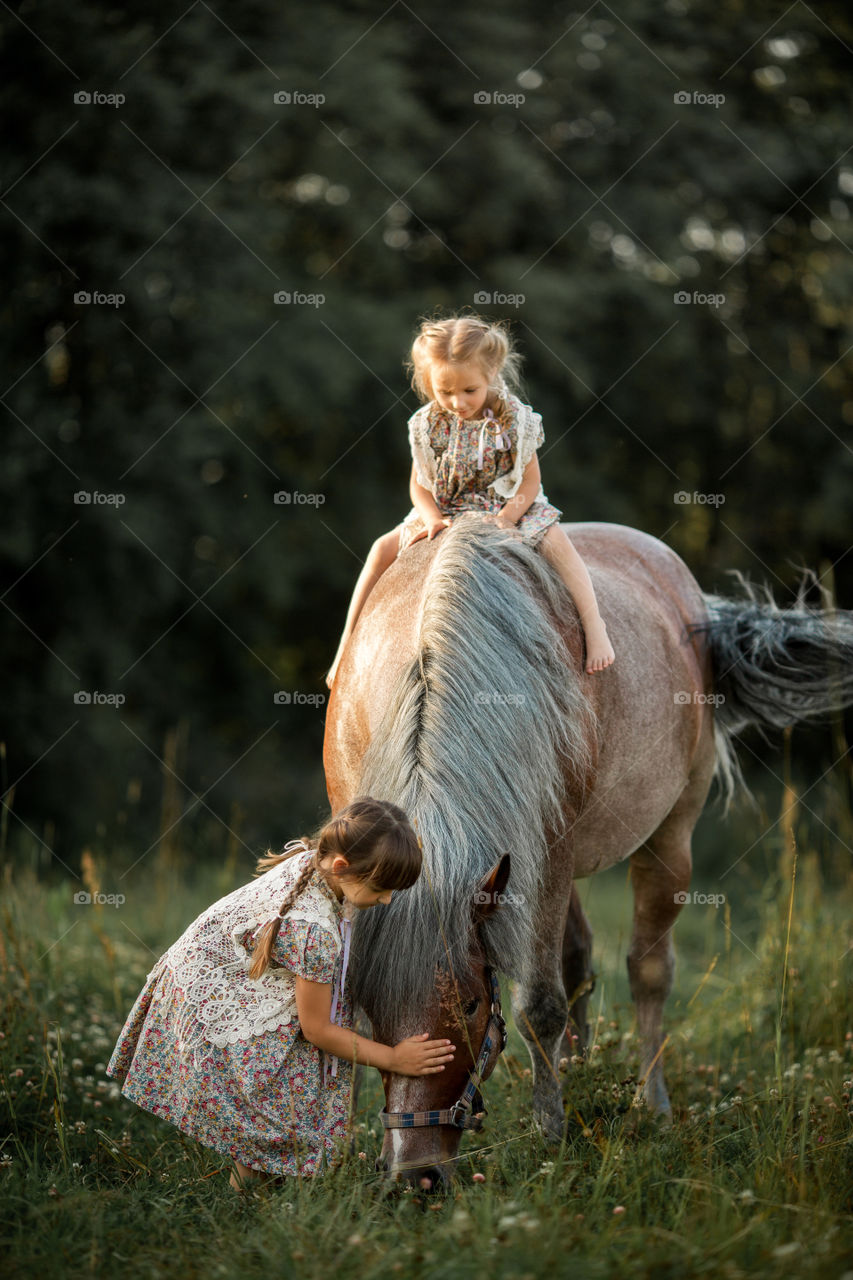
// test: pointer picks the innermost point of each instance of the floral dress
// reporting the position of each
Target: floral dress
(477, 465)
(269, 1100)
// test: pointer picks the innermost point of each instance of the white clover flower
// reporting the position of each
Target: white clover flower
(787, 1250)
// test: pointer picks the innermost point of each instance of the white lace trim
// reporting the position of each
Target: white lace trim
(209, 964)
(524, 421)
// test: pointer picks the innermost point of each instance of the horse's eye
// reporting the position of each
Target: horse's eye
(471, 1007)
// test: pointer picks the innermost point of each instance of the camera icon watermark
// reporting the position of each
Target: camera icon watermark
(483, 298)
(685, 698)
(483, 898)
(698, 99)
(699, 899)
(85, 98)
(684, 298)
(485, 98)
(84, 899)
(297, 98)
(296, 299)
(681, 498)
(87, 298)
(292, 697)
(94, 497)
(294, 497)
(94, 698)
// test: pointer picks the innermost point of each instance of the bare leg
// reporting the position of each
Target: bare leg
(242, 1177)
(382, 554)
(559, 551)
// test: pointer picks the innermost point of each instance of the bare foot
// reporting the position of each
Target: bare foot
(599, 650)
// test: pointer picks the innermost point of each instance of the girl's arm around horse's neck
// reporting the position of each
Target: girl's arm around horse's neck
(413, 1056)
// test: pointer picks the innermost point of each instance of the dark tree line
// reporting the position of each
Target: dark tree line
(187, 397)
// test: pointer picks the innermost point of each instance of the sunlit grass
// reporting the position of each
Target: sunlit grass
(754, 1177)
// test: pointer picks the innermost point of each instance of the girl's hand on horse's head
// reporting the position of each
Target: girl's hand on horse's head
(418, 1056)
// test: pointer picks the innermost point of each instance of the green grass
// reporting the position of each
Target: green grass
(755, 1176)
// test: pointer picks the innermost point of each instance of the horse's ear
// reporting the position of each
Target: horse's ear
(490, 891)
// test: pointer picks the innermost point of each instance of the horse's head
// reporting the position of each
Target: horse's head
(425, 1116)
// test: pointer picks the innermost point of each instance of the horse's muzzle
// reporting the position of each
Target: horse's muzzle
(427, 1177)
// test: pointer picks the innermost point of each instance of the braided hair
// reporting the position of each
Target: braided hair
(263, 950)
(377, 840)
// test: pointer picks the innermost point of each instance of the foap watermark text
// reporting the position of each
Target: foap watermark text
(684, 698)
(699, 899)
(294, 497)
(681, 498)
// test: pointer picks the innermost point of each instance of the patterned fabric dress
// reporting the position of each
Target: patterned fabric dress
(268, 1100)
(477, 465)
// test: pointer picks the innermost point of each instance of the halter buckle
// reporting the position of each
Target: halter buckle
(458, 1114)
(462, 1117)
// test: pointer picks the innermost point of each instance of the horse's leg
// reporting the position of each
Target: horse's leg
(660, 875)
(578, 976)
(539, 999)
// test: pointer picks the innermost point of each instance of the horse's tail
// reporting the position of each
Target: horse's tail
(775, 667)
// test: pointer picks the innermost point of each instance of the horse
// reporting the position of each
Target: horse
(462, 697)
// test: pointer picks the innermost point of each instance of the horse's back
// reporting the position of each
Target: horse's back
(636, 560)
(645, 702)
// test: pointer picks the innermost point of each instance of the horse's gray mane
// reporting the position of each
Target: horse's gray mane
(475, 745)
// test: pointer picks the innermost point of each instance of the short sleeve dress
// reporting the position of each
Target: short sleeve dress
(477, 465)
(268, 1100)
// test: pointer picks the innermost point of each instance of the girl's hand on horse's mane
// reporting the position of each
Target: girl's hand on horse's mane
(433, 527)
(416, 1056)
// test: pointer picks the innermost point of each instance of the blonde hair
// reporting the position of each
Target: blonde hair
(461, 340)
(378, 842)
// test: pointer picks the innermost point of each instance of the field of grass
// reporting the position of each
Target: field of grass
(754, 1177)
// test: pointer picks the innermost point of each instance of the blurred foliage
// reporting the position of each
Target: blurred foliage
(197, 399)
